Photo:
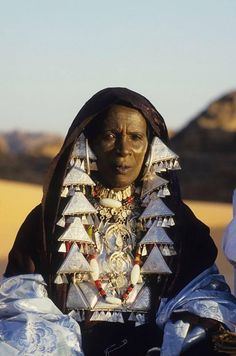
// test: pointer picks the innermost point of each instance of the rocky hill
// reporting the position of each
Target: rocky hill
(207, 147)
(26, 156)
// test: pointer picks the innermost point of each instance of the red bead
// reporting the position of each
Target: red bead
(68, 245)
(125, 296)
(129, 289)
(98, 284)
(102, 293)
(91, 257)
(130, 199)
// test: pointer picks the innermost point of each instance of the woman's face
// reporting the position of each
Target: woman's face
(120, 146)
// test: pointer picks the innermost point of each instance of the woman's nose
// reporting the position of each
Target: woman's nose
(123, 146)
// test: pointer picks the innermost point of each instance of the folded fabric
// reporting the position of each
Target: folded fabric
(31, 323)
(206, 296)
(229, 238)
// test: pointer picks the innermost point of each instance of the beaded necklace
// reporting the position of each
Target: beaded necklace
(116, 206)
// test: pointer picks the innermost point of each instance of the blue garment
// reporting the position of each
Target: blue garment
(206, 296)
(31, 324)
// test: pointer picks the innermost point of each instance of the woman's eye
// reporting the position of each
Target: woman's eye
(136, 137)
(108, 136)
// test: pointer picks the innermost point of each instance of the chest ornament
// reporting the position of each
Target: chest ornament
(113, 240)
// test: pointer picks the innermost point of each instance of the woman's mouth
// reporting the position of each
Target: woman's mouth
(122, 169)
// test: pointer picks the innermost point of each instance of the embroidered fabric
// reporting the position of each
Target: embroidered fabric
(31, 323)
(207, 296)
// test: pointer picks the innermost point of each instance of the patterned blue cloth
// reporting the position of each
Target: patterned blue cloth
(31, 324)
(206, 296)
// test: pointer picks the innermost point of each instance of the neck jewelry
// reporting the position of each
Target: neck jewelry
(113, 240)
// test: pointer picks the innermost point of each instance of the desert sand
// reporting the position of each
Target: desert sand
(17, 199)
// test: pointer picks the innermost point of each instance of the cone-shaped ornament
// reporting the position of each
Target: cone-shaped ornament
(155, 263)
(142, 301)
(152, 182)
(76, 232)
(76, 298)
(160, 152)
(91, 293)
(77, 176)
(79, 205)
(156, 235)
(155, 208)
(79, 150)
(74, 262)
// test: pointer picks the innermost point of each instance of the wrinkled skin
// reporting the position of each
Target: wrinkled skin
(121, 146)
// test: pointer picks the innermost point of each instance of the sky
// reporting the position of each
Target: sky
(56, 54)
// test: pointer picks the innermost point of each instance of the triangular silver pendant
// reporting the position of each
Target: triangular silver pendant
(76, 298)
(155, 263)
(142, 301)
(155, 208)
(79, 205)
(152, 182)
(77, 176)
(76, 232)
(74, 262)
(91, 293)
(81, 151)
(156, 235)
(160, 152)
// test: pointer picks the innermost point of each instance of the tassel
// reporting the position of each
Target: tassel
(94, 316)
(90, 220)
(61, 222)
(159, 222)
(132, 317)
(72, 162)
(102, 316)
(144, 250)
(165, 223)
(64, 278)
(160, 193)
(71, 191)
(58, 279)
(176, 165)
(109, 316)
(64, 192)
(171, 221)
(140, 319)
(84, 220)
(62, 248)
(170, 164)
(148, 224)
(166, 191)
(119, 317)
(81, 249)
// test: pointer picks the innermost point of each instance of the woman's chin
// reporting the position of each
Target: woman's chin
(118, 183)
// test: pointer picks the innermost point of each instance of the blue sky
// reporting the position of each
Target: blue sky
(56, 54)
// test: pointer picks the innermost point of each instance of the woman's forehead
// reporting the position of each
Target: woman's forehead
(120, 115)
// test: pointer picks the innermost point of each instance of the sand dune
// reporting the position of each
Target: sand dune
(17, 199)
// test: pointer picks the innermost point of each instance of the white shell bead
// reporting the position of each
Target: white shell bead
(110, 203)
(94, 269)
(113, 300)
(135, 274)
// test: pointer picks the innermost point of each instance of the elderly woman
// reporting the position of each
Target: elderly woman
(119, 250)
